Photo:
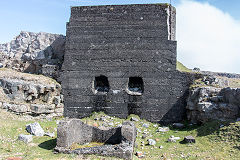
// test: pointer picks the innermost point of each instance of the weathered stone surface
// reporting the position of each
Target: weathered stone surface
(50, 134)
(173, 139)
(29, 94)
(137, 47)
(210, 103)
(15, 107)
(35, 129)
(151, 142)
(163, 129)
(25, 138)
(189, 139)
(134, 119)
(120, 140)
(40, 109)
(145, 125)
(30, 52)
(178, 125)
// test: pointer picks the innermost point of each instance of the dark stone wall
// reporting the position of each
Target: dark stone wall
(120, 42)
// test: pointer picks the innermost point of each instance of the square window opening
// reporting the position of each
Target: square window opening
(135, 85)
(101, 84)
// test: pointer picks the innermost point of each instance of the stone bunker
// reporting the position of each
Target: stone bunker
(121, 59)
(118, 141)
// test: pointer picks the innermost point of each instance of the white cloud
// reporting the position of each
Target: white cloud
(207, 37)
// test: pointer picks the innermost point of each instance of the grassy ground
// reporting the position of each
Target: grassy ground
(182, 68)
(212, 143)
(40, 79)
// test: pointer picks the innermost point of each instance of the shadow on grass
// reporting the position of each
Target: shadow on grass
(236, 147)
(211, 127)
(48, 145)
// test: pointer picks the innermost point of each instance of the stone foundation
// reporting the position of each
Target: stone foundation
(118, 141)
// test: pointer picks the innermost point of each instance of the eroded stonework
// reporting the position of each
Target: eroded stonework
(118, 141)
(122, 60)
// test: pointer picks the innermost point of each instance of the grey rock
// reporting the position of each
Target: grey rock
(15, 107)
(25, 138)
(163, 129)
(189, 139)
(1, 65)
(151, 142)
(178, 125)
(173, 139)
(144, 136)
(161, 147)
(49, 134)
(221, 126)
(210, 103)
(41, 108)
(121, 140)
(145, 125)
(196, 69)
(103, 119)
(134, 119)
(57, 100)
(110, 124)
(35, 129)
(30, 51)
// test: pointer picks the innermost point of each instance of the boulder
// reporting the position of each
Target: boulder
(210, 103)
(25, 138)
(35, 129)
(173, 139)
(145, 125)
(189, 139)
(50, 134)
(163, 129)
(178, 125)
(31, 52)
(41, 108)
(151, 142)
(134, 119)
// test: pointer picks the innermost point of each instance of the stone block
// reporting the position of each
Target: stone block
(25, 138)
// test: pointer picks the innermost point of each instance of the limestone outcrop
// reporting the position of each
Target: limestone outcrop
(39, 53)
(30, 94)
(211, 103)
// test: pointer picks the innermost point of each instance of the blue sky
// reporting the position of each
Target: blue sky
(52, 15)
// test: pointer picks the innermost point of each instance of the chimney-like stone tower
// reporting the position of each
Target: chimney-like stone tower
(121, 59)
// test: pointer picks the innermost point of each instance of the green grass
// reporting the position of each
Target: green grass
(182, 68)
(211, 142)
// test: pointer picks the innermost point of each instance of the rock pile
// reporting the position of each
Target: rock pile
(210, 103)
(30, 94)
(40, 53)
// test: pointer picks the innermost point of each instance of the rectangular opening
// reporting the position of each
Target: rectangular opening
(101, 84)
(135, 85)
